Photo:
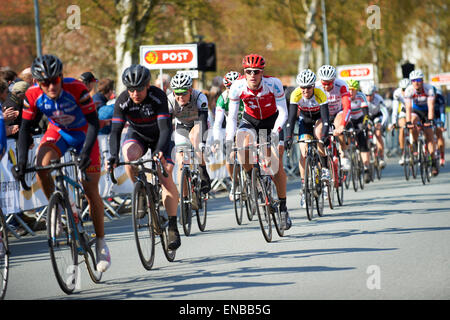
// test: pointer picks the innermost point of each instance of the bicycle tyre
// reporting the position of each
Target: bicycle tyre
(237, 193)
(186, 203)
(361, 171)
(169, 254)
(422, 163)
(202, 211)
(90, 257)
(340, 183)
(274, 205)
(261, 204)
(407, 159)
(331, 184)
(143, 226)
(308, 188)
(355, 171)
(4, 260)
(62, 245)
(249, 202)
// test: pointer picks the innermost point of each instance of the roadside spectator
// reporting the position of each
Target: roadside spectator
(13, 106)
(3, 91)
(89, 80)
(9, 76)
(166, 83)
(104, 92)
(26, 76)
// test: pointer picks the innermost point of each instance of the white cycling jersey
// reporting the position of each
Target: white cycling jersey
(334, 96)
(398, 105)
(377, 106)
(188, 114)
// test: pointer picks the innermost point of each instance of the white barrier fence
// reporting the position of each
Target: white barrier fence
(13, 199)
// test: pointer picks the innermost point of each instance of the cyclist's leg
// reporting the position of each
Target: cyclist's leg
(195, 138)
(342, 145)
(170, 194)
(401, 134)
(181, 139)
(246, 136)
(52, 147)
(441, 143)
(133, 148)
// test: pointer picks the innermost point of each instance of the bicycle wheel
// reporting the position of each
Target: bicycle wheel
(237, 193)
(262, 205)
(186, 204)
(360, 171)
(247, 191)
(319, 186)
(422, 162)
(331, 184)
(407, 159)
(413, 162)
(339, 183)
(90, 256)
(308, 188)
(62, 243)
(202, 209)
(274, 205)
(4, 256)
(142, 224)
(355, 171)
(164, 224)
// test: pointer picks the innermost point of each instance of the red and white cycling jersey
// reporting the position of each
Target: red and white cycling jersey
(259, 104)
(335, 95)
(357, 104)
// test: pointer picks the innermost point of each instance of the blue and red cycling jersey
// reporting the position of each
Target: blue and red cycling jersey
(2, 136)
(67, 111)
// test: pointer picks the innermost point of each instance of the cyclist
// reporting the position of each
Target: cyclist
(378, 114)
(338, 98)
(399, 113)
(145, 108)
(359, 117)
(309, 106)
(439, 116)
(73, 123)
(189, 108)
(264, 109)
(419, 103)
(221, 113)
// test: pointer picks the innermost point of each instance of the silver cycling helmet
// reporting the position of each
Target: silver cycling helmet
(404, 83)
(306, 78)
(326, 73)
(416, 74)
(181, 82)
(368, 89)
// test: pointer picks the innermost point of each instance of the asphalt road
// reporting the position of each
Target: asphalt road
(389, 241)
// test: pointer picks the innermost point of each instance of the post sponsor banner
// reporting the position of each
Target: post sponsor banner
(441, 79)
(356, 72)
(176, 56)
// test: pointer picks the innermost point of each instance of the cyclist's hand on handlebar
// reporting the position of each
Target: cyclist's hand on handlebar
(288, 143)
(111, 163)
(83, 161)
(157, 155)
(18, 171)
(428, 123)
(409, 125)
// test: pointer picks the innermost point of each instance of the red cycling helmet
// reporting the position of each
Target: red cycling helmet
(253, 61)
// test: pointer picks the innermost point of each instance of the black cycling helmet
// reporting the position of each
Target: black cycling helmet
(136, 76)
(46, 67)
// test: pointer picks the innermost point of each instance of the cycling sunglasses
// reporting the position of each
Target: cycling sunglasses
(179, 94)
(307, 87)
(250, 72)
(417, 80)
(327, 83)
(48, 82)
(138, 89)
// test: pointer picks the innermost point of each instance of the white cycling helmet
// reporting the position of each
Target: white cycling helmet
(368, 89)
(416, 74)
(230, 77)
(326, 72)
(181, 82)
(306, 78)
(404, 83)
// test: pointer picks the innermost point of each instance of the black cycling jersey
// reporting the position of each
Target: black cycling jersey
(150, 119)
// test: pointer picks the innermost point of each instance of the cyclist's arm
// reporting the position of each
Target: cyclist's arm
(346, 109)
(219, 117)
(24, 141)
(280, 100)
(292, 117)
(325, 115)
(117, 124)
(385, 114)
(92, 132)
(395, 107)
(233, 108)
(164, 121)
(431, 102)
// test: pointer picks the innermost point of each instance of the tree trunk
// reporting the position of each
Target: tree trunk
(311, 27)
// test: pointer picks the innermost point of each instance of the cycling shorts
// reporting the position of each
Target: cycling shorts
(248, 123)
(61, 141)
(360, 135)
(423, 115)
(133, 137)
